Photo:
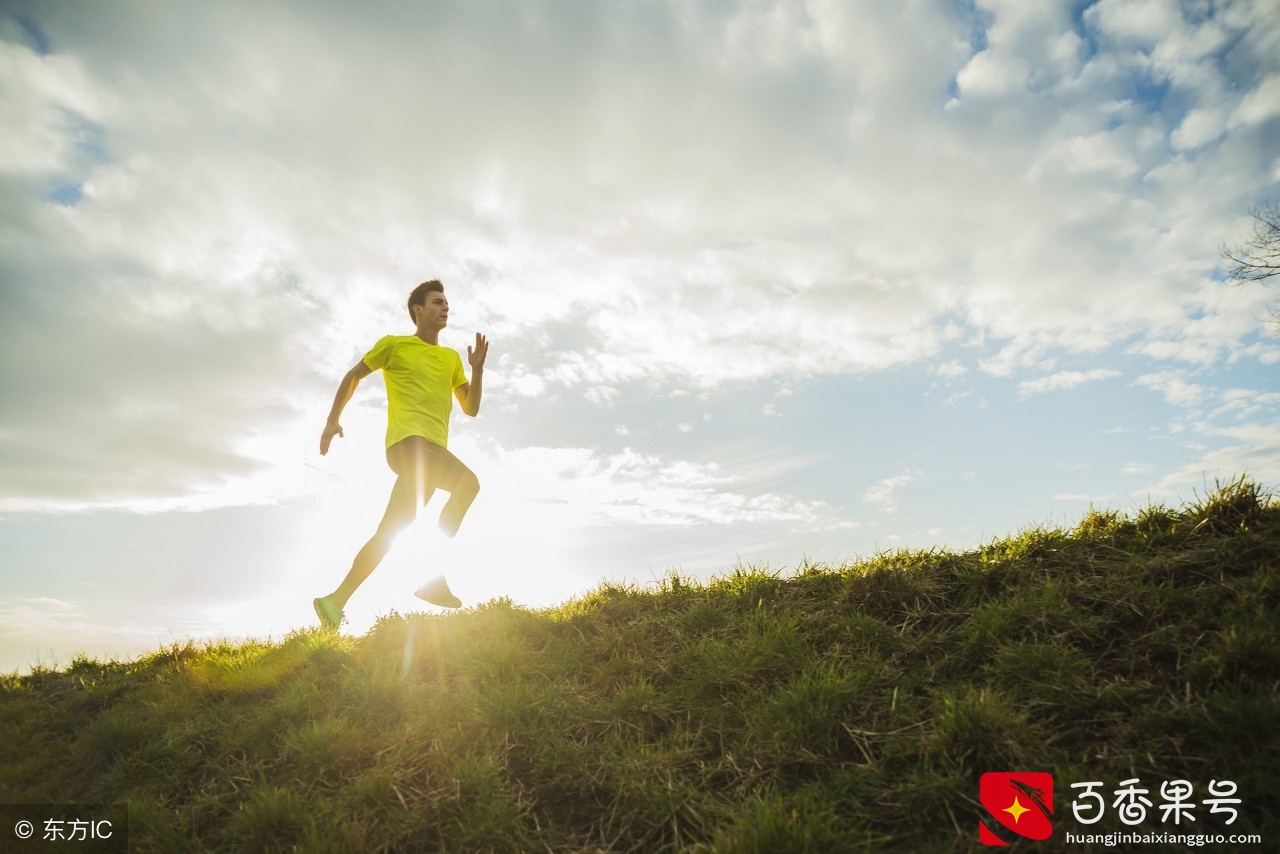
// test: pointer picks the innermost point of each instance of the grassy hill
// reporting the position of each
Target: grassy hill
(835, 708)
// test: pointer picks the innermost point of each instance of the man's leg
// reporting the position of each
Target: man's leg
(402, 509)
(462, 485)
(448, 473)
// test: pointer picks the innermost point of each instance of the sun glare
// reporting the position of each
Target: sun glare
(514, 543)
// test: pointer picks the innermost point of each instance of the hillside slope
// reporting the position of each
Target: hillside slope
(836, 708)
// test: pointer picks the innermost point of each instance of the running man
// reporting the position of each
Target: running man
(419, 375)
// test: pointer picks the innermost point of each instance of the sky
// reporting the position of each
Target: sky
(765, 284)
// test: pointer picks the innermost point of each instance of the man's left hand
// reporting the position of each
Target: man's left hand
(476, 354)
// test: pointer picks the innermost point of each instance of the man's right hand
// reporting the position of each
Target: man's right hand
(331, 429)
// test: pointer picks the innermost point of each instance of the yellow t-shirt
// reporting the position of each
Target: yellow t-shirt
(420, 380)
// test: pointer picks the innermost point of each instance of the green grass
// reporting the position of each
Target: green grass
(829, 709)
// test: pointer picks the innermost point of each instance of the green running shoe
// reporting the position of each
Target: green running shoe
(437, 592)
(330, 615)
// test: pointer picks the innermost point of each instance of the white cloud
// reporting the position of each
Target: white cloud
(1098, 500)
(991, 73)
(885, 493)
(1267, 354)
(1205, 405)
(601, 395)
(1260, 104)
(48, 108)
(1255, 453)
(1175, 388)
(1063, 380)
(1105, 153)
(621, 196)
(526, 385)
(1199, 127)
(1141, 23)
(583, 487)
(50, 631)
(650, 208)
(1245, 402)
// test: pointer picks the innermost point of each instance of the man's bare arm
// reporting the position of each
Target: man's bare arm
(469, 394)
(346, 388)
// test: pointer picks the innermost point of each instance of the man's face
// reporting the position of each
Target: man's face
(435, 310)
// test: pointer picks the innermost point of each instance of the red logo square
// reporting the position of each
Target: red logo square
(1017, 803)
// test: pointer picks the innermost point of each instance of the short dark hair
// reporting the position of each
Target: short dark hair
(418, 296)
